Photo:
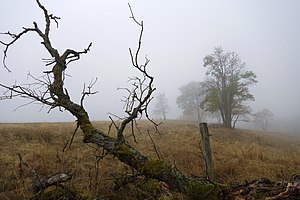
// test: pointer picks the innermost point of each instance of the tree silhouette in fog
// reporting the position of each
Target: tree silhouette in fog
(228, 84)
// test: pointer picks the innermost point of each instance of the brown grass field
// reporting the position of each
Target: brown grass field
(239, 155)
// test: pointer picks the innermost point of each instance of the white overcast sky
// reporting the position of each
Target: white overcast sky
(178, 35)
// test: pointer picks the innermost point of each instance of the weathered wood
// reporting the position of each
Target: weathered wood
(155, 169)
(43, 184)
(206, 151)
(263, 189)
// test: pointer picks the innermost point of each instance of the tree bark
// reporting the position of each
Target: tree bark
(154, 168)
(56, 179)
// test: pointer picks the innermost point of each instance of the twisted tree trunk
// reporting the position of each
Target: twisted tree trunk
(56, 96)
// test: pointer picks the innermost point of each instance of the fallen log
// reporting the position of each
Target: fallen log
(39, 185)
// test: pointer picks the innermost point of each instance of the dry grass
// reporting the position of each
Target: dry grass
(239, 155)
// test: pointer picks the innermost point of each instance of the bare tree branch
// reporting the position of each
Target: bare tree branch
(47, 89)
(132, 16)
(139, 97)
(73, 135)
(14, 37)
(32, 170)
(87, 91)
(154, 146)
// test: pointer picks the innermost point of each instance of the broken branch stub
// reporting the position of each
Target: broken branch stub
(56, 179)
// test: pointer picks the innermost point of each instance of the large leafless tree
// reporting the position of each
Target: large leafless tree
(49, 89)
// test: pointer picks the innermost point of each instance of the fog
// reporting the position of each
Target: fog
(178, 35)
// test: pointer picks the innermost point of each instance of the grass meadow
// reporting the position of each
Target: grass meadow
(238, 155)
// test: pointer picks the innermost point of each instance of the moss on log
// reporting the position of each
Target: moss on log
(155, 169)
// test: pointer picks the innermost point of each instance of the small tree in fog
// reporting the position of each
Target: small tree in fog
(263, 118)
(190, 99)
(242, 113)
(161, 107)
(228, 85)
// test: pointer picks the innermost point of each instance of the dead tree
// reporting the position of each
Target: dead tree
(50, 90)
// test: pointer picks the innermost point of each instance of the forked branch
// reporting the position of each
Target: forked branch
(87, 90)
(48, 89)
(139, 97)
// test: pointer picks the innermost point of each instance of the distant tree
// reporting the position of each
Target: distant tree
(190, 99)
(263, 118)
(241, 113)
(161, 107)
(228, 85)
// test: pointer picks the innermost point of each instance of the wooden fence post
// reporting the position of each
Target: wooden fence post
(206, 151)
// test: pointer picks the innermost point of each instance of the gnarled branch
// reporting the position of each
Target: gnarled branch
(56, 95)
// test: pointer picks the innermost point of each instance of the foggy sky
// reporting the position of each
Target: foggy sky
(178, 35)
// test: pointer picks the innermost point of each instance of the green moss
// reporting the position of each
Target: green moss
(159, 170)
(197, 190)
(153, 188)
(155, 168)
(85, 196)
(88, 129)
(151, 185)
(166, 197)
(124, 152)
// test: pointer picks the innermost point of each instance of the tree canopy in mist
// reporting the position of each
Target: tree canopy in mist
(228, 84)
